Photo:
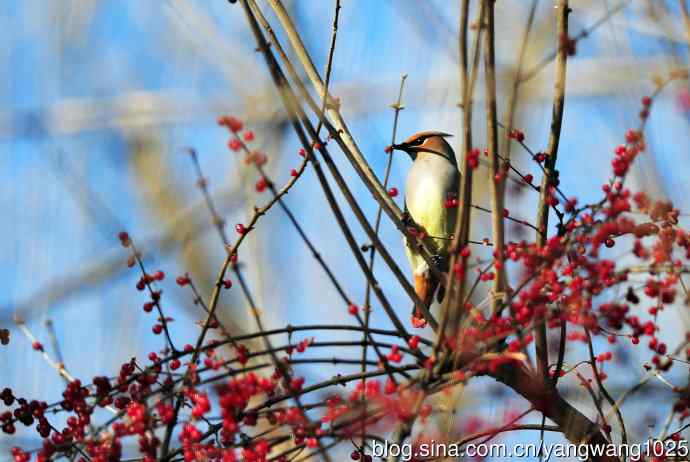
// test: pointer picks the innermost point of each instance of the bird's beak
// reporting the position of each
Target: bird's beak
(410, 150)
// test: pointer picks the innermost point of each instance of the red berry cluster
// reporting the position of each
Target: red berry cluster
(473, 158)
(516, 135)
(26, 412)
(238, 143)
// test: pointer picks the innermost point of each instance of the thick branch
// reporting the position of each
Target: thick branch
(576, 427)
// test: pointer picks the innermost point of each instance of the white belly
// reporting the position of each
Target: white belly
(426, 191)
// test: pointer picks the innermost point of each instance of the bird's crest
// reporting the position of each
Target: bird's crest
(418, 138)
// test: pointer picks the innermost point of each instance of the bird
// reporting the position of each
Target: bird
(430, 187)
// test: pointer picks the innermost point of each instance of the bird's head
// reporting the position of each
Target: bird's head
(430, 142)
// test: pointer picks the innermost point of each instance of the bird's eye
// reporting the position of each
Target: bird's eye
(417, 141)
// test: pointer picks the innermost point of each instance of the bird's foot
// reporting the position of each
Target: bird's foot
(407, 220)
(438, 260)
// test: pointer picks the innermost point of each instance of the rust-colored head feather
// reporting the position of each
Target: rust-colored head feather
(427, 142)
(420, 137)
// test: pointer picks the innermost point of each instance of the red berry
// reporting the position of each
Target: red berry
(227, 283)
(517, 135)
(418, 323)
(175, 364)
(661, 349)
(249, 136)
(261, 185)
(352, 309)
(473, 158)
(124, 238)
(293, 172)
(646, 101)
(157, 329)
(257, 158)
(239, 227)
(529, 178)
(235, 124)
(296, 383)
(393, 192)
(631, 136)
(231, 123)
(234, 145)
(609, 243)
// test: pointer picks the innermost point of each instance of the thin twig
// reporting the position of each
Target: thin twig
(581, 35)
(562, 11)
(515, 90)
(495, 175)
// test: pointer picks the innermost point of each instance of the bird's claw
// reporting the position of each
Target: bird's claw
(407, 220)
(437, 260)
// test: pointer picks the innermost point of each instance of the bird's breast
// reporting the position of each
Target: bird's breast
(427, 188)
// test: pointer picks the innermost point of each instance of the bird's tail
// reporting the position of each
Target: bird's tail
(425, 286)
